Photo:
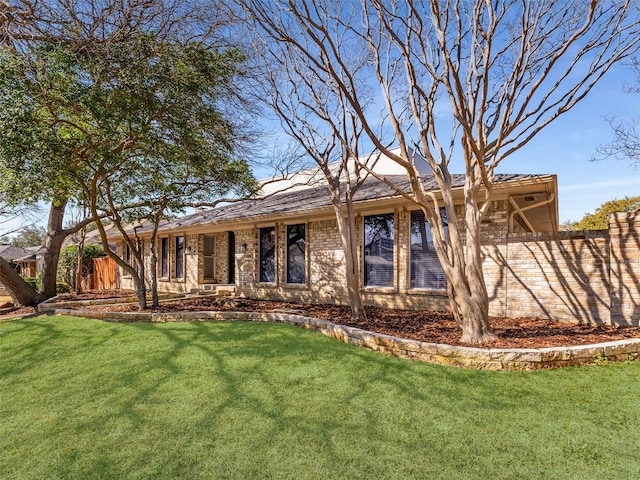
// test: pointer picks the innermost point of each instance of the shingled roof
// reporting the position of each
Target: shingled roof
(299, 201)
(11, 252)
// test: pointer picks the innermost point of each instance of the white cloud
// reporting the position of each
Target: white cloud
(626, 182)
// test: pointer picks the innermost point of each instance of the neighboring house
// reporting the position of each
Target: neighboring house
(286, 246)
(26, 260)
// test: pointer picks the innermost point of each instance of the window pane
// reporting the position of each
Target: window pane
(378, 250)
(208, 257)
(164, 257)
(425, 270)
(268, 254)
(296, 247)
(179, 257)
(127, 254)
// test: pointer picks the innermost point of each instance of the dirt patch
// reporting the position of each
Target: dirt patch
(427, 326)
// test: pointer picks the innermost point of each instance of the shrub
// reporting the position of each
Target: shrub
(62, 288)
(33, 282)
(68, 262)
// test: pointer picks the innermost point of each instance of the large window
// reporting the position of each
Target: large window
(164, 257)
(378, 250)
(267, 254)
(425, 270)
(209, 257)
(296, 254)
(179, 272)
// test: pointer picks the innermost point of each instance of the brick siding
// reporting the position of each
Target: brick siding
(588, 277)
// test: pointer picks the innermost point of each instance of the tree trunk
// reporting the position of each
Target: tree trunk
(348, 237)
(471, 312)
(20, 291)
(141, 292)
(52, 245)
(469, 299)
(80, 266)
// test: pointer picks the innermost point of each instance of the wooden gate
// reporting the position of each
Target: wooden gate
(104, 273)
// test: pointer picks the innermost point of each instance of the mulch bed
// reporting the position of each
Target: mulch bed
(427, 326)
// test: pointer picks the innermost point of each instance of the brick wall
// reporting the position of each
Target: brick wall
(624, 229)
(589, 277)
(561, 276)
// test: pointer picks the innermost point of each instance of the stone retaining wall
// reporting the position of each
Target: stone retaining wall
(468, 357)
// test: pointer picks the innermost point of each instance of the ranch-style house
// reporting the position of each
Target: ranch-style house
(285, 246)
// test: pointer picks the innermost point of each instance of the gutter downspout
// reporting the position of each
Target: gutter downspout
(518, 210)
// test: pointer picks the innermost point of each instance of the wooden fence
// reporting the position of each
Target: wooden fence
(104, 274)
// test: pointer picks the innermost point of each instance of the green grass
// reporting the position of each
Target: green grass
(85, 399)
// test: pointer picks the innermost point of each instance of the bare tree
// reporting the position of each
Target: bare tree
(306, 105)
(626, 132)
(16, 218)
(472, 80)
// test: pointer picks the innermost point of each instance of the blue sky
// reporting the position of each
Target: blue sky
(566, 147)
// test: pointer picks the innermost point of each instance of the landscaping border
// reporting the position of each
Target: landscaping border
(467, 357)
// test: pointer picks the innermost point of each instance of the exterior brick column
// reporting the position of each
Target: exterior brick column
(624, 229)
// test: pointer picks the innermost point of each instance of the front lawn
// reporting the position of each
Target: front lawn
(85, 399)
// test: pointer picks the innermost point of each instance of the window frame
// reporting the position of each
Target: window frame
(440, 276)
(272, 257)
(126, 258)
(164, 264)
(366, 280)
(179, 257)
(211, 256)
(288, 245)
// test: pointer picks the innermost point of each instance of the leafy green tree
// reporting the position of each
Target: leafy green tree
(68, 263)
(91, 104)
(599, 219)
(141, 125)
(30, 236)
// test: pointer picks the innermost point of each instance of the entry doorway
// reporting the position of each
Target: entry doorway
(232, 258)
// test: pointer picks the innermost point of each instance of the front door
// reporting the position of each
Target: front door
(232, 258)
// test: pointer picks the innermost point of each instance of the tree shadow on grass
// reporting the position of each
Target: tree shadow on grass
(174, 398)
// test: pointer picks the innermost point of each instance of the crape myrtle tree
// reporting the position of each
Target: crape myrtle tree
(305, 104)
(49, 52)
(470, 81)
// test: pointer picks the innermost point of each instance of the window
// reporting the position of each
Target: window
(267, 254)
(378, 250)
(296, 254)
(179, 272)
(425, 270)
(127, 259)
(164, 257)
(209, 257)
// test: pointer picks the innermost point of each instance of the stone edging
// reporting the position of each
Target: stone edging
(53, 304)
(467, 357)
